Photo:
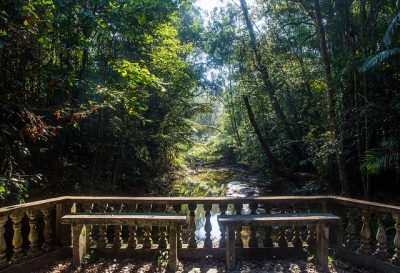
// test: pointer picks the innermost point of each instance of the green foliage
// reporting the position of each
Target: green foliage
(385, 55)
(382, 159)
(379, 58)
(108, 95)
(202, 183)
(137, 76)
(111, 81)
(200, 151)
(391, 30)
(289, 45)
(161, 258)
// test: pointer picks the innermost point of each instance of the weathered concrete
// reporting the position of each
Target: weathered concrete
(322, 220)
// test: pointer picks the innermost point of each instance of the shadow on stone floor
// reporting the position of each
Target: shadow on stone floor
(203, 266)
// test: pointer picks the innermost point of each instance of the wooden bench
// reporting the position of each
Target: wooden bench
(321, 220)
(78, 221)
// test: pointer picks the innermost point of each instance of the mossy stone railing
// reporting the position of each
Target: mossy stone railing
(31, 234)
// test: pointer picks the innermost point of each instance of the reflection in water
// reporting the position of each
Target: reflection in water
(217, 182)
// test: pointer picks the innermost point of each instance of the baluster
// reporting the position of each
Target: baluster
(351, 241)
(3, 244)
(365, 247)
(87, 207)
(238, 231)
(33, 233)
(297, 242)
(253, 242)
(337, 230)
(192, 226)
(63, 232)
(117, 231)
(47, 231)
(396, 242)
(222, 241)
(117, 237)
(268, 230)
(103, 242)
(311, 239)
(177, 209)
(17, 240)
(147, 240)
(124, 210)
(155, 230)
(381, 238)
(162, 242)
(132, 240)
(289, 229)
(282, 240)
(207, 226)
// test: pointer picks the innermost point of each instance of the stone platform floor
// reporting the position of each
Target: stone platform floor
(203, 266)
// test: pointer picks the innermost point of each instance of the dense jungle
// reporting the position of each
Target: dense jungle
(178, 97)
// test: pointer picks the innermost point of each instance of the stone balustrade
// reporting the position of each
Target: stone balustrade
(31, 233)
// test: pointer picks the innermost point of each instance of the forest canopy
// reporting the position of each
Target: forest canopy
(108, 96)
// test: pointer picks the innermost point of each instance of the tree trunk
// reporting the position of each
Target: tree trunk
(232, 113)
(338, 147)
(277, 166)
(117, 163)
(357, 115)
(98, 145)
(268, 84)
(364, 20)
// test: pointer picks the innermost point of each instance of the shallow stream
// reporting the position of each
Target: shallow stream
(218, 180)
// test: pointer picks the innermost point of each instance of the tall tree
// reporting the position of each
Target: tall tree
(277, 166)
(269, 87)
(337, 142)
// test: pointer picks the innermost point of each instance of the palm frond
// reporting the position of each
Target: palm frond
(378, 58)
(384, 158)
(391, 30)
(378, 160)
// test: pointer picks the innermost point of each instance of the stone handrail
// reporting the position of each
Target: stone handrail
(356, 235)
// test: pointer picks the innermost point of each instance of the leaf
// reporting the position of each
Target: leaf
(391, 30)
(141, 18)
(378, 58)
(21, 199)
(75, 125)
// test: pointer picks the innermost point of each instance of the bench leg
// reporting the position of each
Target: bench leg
(230, 248)
(173, 249)
(78, 244)
(322, 246)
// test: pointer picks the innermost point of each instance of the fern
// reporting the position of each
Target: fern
(380, 57)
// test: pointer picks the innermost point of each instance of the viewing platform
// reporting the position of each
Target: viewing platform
(32, 235)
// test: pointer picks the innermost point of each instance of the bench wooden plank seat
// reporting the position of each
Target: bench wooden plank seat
(321, 220)
(78, 221)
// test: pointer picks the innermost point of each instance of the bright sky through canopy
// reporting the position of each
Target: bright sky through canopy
(209, 5)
